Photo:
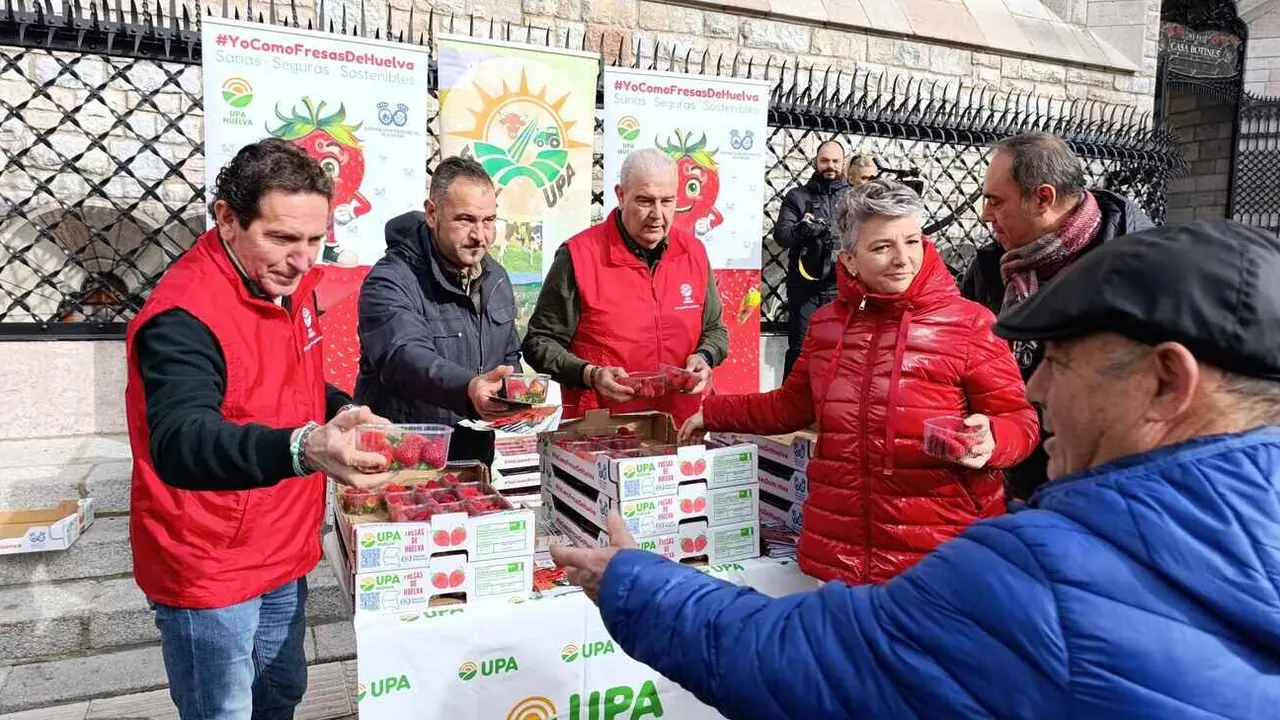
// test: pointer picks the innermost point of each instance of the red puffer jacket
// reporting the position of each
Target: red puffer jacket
(877, 504)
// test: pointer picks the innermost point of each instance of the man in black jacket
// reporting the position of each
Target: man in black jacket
(1043, 220)
(804, 229)
(437, 314)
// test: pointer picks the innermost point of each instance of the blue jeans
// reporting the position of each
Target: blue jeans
(243, 662)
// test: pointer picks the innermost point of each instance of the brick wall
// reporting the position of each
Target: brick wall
(1203, 124)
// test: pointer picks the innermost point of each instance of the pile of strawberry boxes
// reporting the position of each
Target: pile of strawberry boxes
(783, 483)
(434, 537)
(683, 502)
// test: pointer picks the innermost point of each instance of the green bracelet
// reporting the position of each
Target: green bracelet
(297, 449)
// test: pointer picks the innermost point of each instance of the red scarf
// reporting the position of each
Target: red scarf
(1024, 269)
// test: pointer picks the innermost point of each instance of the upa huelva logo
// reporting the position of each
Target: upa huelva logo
(569, 653)
(237, 92)
(628, 128)
(533, 708)
(385, 686)
(367, 540)
(488, 668)
(366, 585)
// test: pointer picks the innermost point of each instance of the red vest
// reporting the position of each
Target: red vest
(634, 319)
(212, 549)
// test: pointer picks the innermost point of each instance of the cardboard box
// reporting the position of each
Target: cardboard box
(662, 515)
(412, 590)
(55, 528)
(516, 478)
(729, 543)
(385, 545)
(514, 452)
(643, 477)
(783, 482)
(375, 544)
(782, 512)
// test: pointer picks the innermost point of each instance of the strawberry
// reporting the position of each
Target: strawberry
(686, 545)
(686, 467)
(440, 581)
(334, 145)
(420, 514)
(441, 538)
(625, 431)
(374, 441)
(459, 535)
(404, 497)
(699, 466)
(433, 453)
(445, 496)
(686, 506)
(699, 182)
(456, 578)
(538, 391)
(394, 487)
(700, 544)
(408, 452)
(699, 504)
(516, 388)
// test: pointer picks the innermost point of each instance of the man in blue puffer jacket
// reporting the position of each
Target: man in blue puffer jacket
(1142, 581)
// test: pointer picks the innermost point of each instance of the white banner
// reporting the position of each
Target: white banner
(716, 128)
(546, 659)
(358, 106)
(542, 660)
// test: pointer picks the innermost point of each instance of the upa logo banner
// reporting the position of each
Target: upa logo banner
(488, 668)
(380, 688)
(527, 115)
(621, 702)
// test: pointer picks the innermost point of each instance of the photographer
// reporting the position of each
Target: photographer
(804, 228)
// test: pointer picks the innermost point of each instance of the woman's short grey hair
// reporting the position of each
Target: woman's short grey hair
(878, 198)
(646, 162)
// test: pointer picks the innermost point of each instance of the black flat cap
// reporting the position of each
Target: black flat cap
(1211, 285)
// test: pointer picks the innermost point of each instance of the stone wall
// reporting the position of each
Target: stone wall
(1262, 56)
(1203, 124)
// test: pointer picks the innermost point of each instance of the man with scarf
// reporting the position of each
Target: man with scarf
(804, 229)
(1043, 220)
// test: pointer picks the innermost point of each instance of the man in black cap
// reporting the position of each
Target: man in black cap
(1141, 581)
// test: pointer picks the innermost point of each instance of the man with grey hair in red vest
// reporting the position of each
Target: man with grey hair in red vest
(233, 430)
(629, 295)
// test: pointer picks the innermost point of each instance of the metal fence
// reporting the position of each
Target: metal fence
(102, 127)
(1255, 190)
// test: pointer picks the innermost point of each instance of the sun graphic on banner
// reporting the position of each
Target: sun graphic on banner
(521, 134)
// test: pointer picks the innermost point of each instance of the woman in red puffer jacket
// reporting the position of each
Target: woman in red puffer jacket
(906, 347)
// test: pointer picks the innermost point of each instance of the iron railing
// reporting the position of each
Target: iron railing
(102, 138)
(1255, 191)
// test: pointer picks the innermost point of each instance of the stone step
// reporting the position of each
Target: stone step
(43, 471)
(331, 689)
(48, 621)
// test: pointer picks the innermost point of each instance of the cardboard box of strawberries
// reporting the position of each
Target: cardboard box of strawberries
(633, 456)
(428, 513)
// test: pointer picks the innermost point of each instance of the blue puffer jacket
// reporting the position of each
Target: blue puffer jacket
(1149, 587)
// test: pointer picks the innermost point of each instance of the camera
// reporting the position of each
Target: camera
(910, 178)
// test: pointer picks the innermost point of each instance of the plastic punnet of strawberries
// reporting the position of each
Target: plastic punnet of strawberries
(412, 512)
(361, 502)
(527, 388)
(646, 384)
(470, 490)
(408, 447)
(680, 379)
(396, 494)
(486, 505)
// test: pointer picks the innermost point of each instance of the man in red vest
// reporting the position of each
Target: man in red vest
(225, 398)
(629, 295)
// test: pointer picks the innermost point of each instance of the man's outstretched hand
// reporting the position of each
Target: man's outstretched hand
(585, 566)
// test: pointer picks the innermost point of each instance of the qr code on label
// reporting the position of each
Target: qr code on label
(369, 602)
(369, 558)
(630, 488)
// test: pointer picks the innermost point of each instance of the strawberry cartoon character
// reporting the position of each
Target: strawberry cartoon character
(334, 145)
(699, 183)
